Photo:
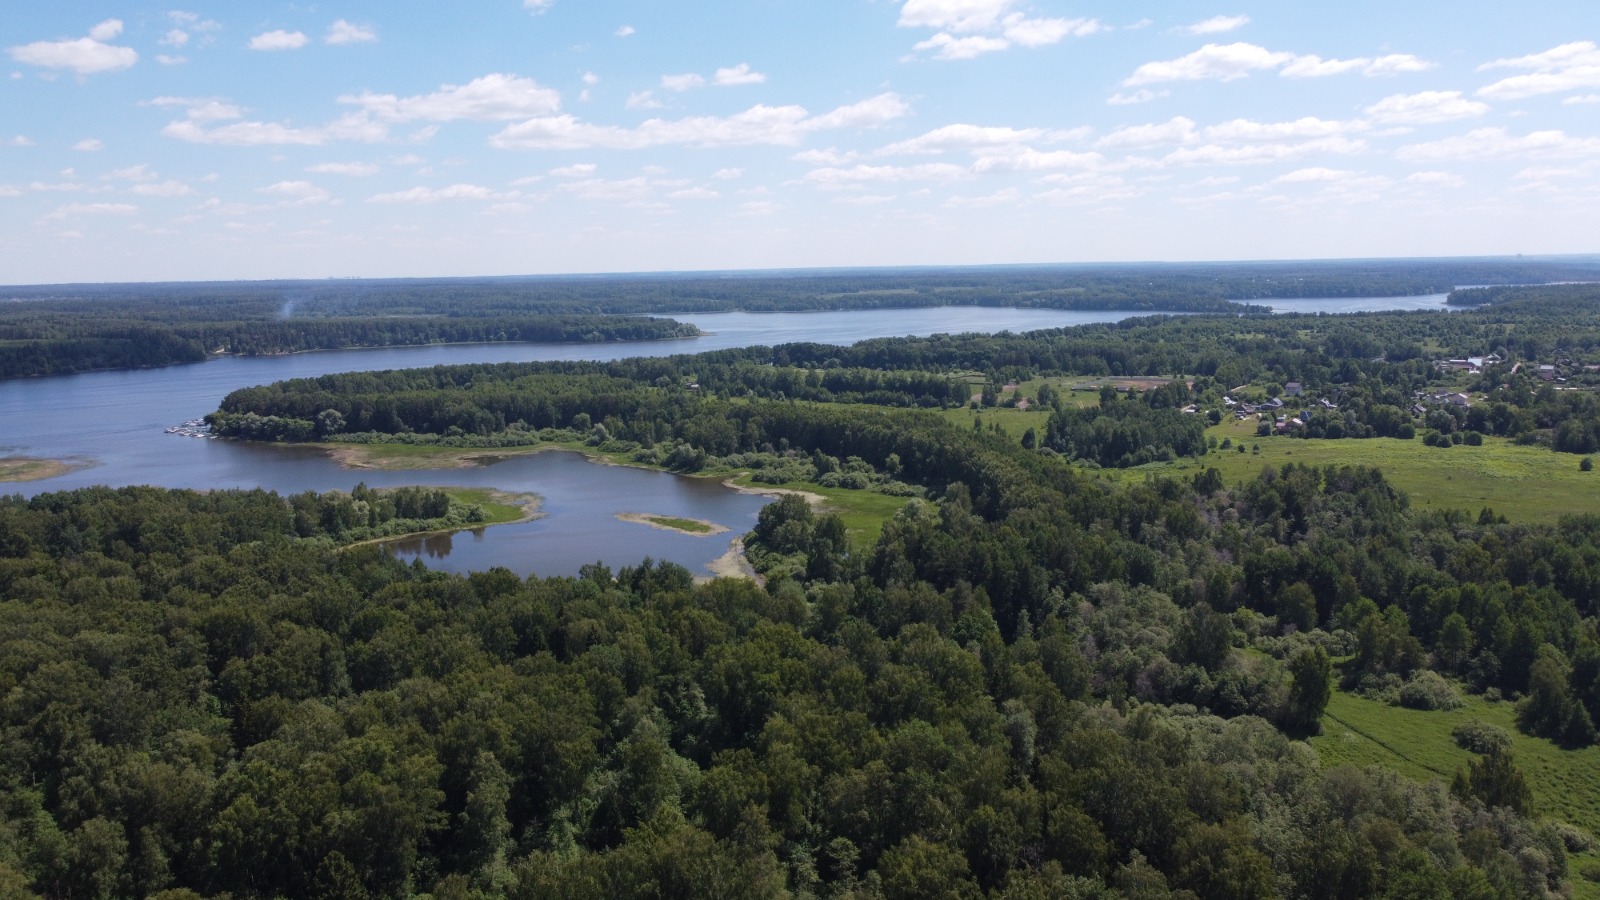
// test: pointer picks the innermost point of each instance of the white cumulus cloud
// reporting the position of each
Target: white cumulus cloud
(1425, 108)
(1143, 95)
(1496, 143)
(642, 100)
(576, 170)
(435, 195)
(496, 97)
(89, 145)
(760, 124)
(1218, 25)
(279, 40)
(1177, 130)
(863, 174)
(1029, 159)
(1315, 174)
(1227, 62)
(969, 47)
(737, 75)
(247, 134)
(961, 137)
(298, 193)
(168, 188)
(970, 28)
(354, 169)
(1220, 154)
(687, 81)
(85, 55)
(204, 109)
(93, 209)
(342, 32)
(1220, 62)
(1568, 67)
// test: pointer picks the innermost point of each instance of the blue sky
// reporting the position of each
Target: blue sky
(219, 141)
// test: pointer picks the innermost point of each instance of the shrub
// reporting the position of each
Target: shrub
(1428, 690)
(1575, 839)
(1480, 737)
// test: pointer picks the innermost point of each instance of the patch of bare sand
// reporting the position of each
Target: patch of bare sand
(732, 564)
(817, 501)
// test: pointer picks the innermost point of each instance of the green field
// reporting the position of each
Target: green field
(1523, 483)
(863, 512)
(1565, 783)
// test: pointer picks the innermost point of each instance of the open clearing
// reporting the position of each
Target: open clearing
(1522, 483)
(1565, 783)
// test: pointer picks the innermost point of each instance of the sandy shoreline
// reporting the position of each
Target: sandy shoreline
(731, 564)
(817, 501)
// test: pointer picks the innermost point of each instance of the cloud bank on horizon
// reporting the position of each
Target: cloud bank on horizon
(535, 136)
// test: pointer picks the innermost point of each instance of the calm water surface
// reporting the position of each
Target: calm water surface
(114, 423)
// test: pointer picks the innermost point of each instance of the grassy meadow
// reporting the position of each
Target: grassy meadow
(1565, 783)
(1522, 483)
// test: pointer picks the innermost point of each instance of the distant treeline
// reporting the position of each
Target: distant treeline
(56, 329)
(54, 343)
(1482, 296)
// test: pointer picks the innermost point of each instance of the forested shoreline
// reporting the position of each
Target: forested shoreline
(47, 343)
(61, 329)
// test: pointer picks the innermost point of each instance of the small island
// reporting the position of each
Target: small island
(29, 468)
(693, 527)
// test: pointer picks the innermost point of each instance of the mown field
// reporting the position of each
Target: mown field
(1565, 783)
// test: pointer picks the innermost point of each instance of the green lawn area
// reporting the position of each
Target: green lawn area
(1523, 483)
(1565, 783)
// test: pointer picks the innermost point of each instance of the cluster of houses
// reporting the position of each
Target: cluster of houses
(1271, 409)
(1556, 372)
(1439, 398)
(1473, 365)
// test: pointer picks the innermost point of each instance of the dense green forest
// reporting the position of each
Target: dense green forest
(1032, 695)
(57, 329)
(43, 339)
